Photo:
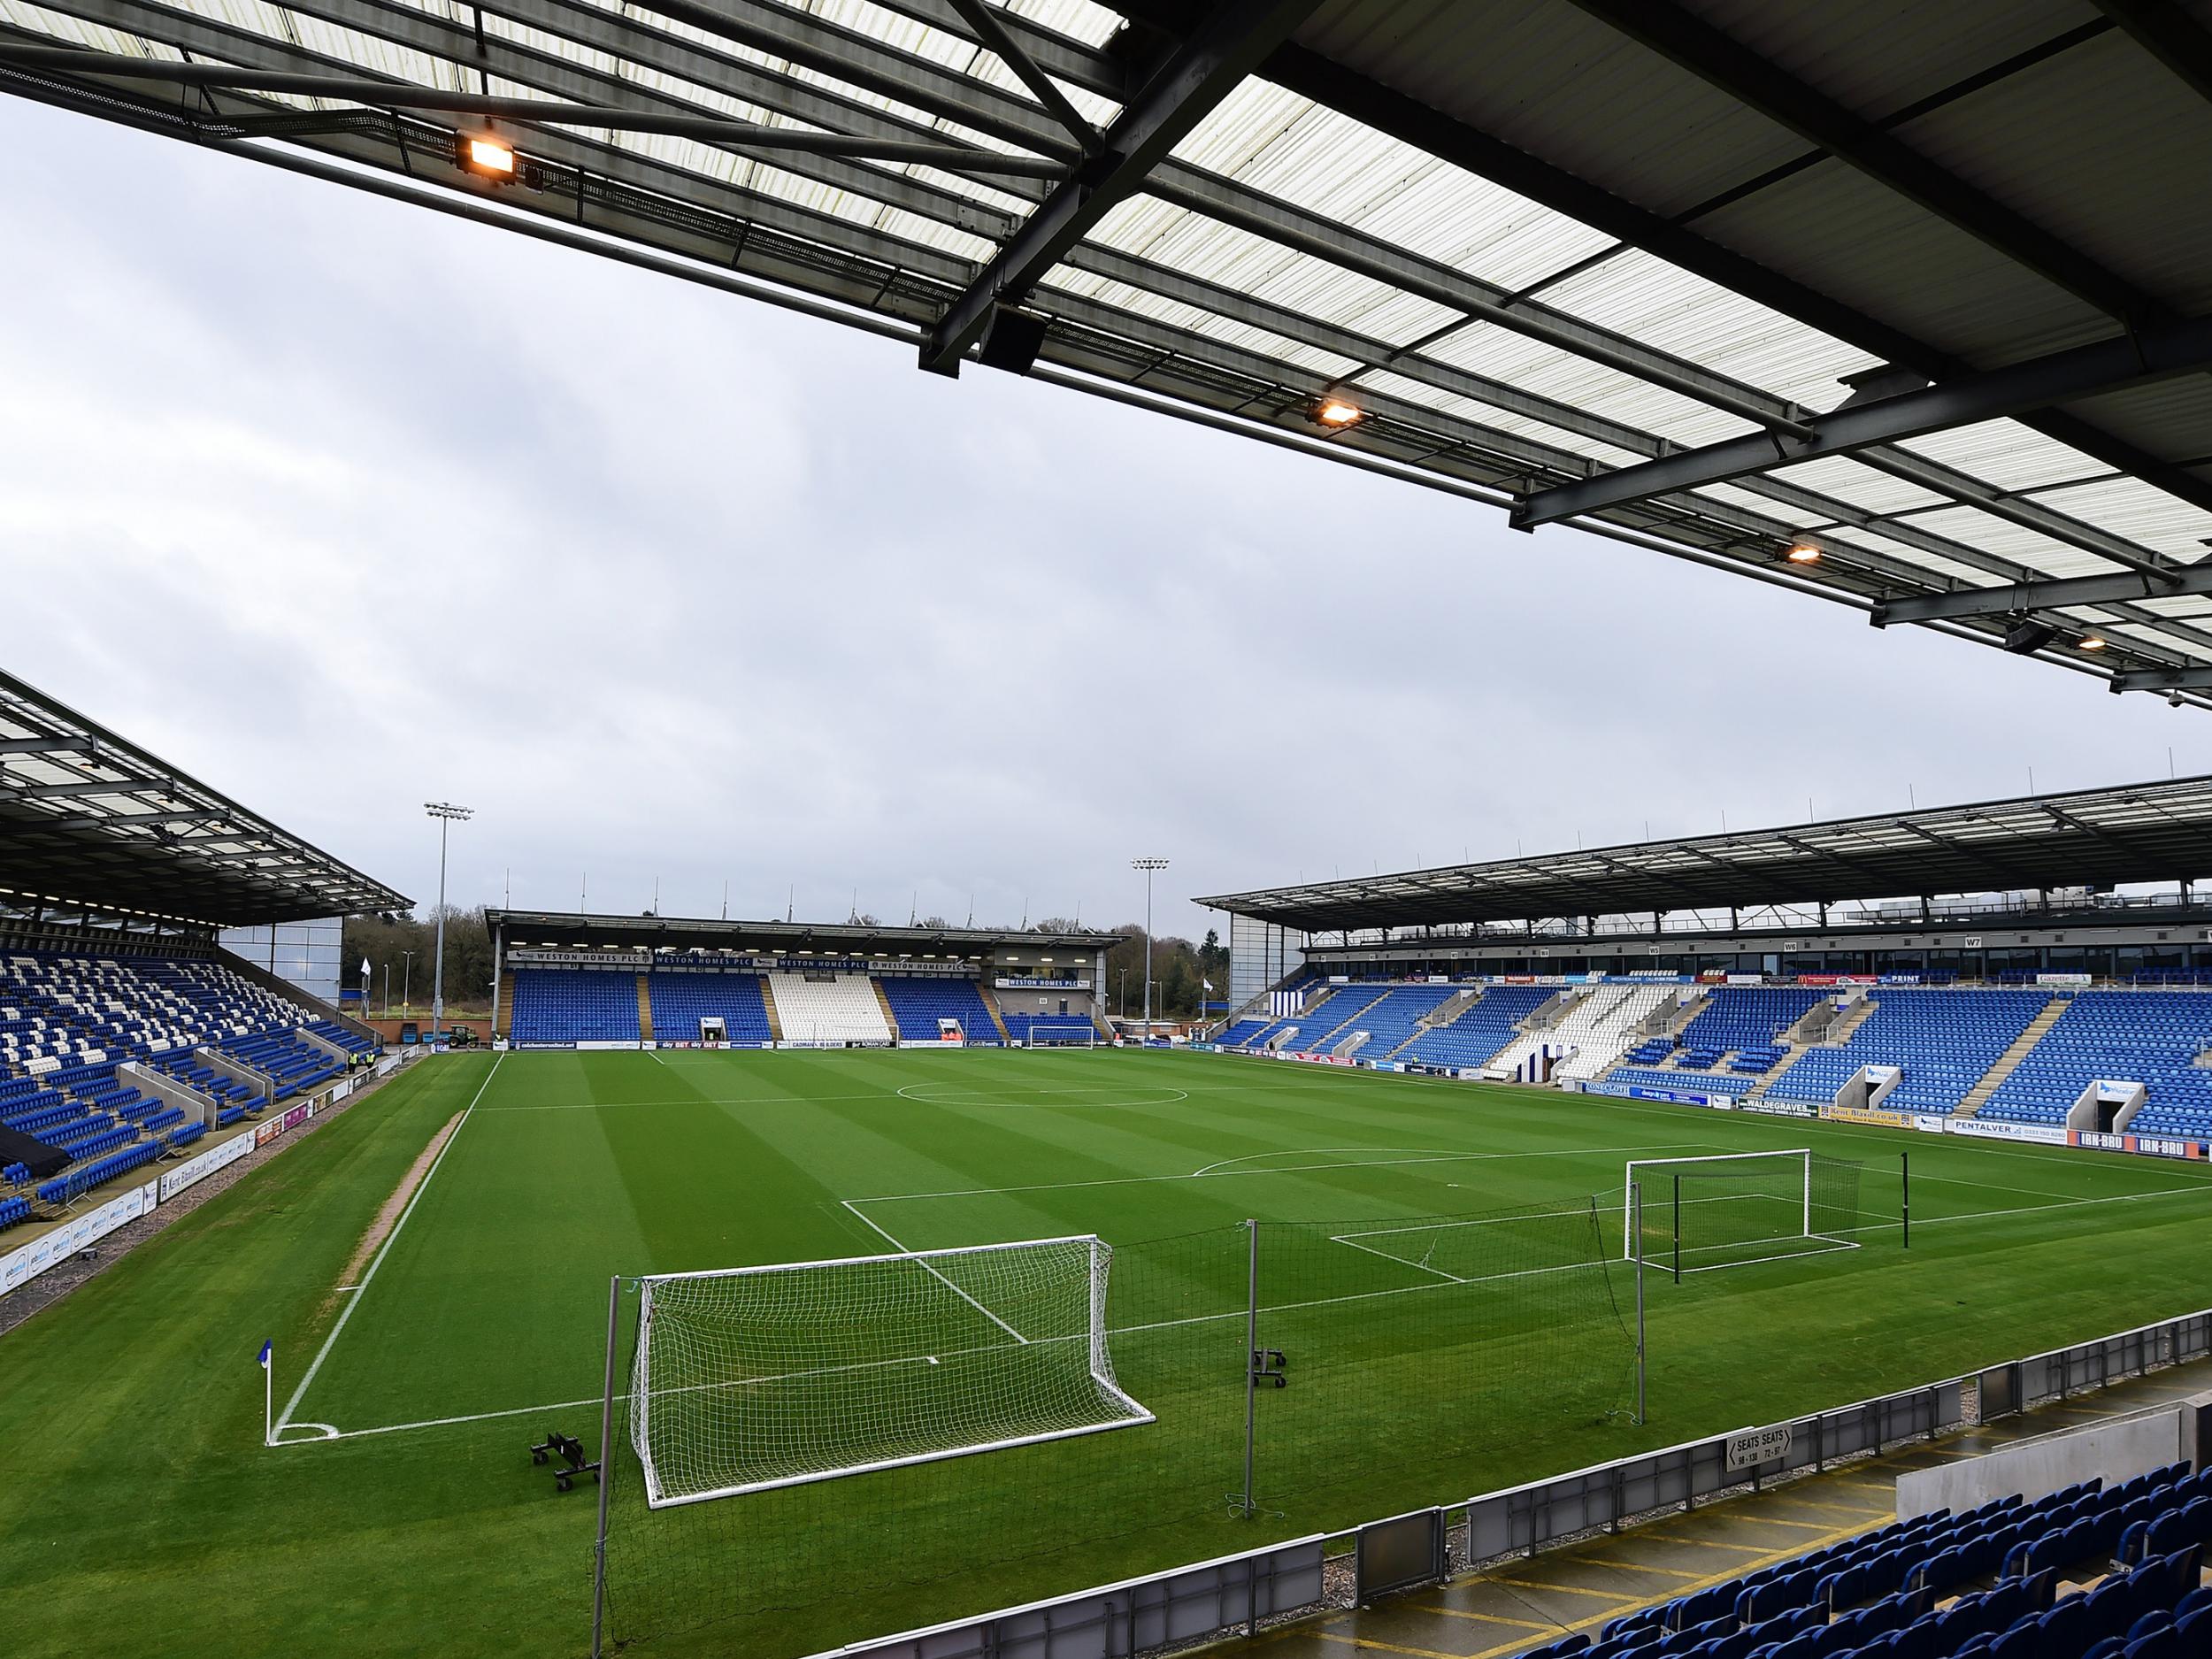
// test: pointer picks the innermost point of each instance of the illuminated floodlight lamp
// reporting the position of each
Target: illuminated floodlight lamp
(486, 157)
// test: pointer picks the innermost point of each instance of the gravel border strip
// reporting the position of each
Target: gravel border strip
(56, 1283)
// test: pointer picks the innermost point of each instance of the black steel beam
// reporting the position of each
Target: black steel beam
(1723, 61)
(2161, 679)
(394, 94)
(994, 35)
(1311, 75)
(2125, 360)
(2057, 593)
(1232, 40)
(2168, 32)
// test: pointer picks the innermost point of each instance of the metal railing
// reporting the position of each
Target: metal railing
(1236, 1594)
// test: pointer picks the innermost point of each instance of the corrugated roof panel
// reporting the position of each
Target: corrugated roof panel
(2086, 146)
(2031, 548)
(2006, 454)
(1876, 59)
(1945, 570)
(1532, 74)
(2148, 517)
(1841, 233)
(1859, 484)
(1684, 315)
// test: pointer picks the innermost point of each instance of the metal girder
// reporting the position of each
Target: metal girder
(133, 786)
(2055, 595)
(401, 96)
(994, 35)
(1235, 37)
(2166, 31)
(1387, 110)
(2124, 360)
(2161, 679)
(47, 746)
(1723, 61)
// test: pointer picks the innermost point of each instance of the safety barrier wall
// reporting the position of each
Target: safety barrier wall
(1235, 1593)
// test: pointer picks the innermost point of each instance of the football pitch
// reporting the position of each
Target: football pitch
(401, 1513)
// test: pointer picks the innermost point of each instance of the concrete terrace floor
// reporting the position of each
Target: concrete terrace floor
(1527, 1603)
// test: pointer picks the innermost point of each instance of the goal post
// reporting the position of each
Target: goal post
(750, 1378)
(1063, 1034)
(1730, 1209)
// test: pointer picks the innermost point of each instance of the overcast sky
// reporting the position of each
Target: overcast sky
(342, 507)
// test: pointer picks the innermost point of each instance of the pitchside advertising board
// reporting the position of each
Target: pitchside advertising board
(77, 1233)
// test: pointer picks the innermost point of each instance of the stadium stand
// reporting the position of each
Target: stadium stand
(1943, 1041)
(680, 1001)
(1239, 1034)
(1392, 1019)
(69, 1024)
(919, 1000)
(1735, 1086)
(827, 1008)
(569, 1005)
(1596, 1028)
(2154, 1038)
(2087, 1573)
(1484, 1029)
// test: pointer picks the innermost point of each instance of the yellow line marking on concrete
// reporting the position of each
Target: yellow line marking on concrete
(1637, 1566)
(1565, 1589)
(1702, 1543)
(1767, 1560)
(1392, 1646)
(1832, 1509)
(1493, 1618)
(1776, 1520)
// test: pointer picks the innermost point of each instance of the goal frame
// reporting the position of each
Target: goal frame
(1099, 1365)
(1070, 1031)
(1803, 1155)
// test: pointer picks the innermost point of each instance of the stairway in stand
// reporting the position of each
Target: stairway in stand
(503, 1010)
(889, 1018)
(644, 1010)
(1429, 1022)
(768, 1003)
(990, 1001)
(2008, 1062)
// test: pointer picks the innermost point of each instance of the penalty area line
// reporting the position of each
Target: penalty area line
(931, 1270)
(323, 1353)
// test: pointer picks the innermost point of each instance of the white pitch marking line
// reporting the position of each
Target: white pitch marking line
(1423, 1267)
(2037, 1210)
(1294, 1169)
(933, 1273)
(391, 1239)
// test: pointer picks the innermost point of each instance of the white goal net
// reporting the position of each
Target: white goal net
(1065, 1034)
(1737, 1209)
(760, 1376)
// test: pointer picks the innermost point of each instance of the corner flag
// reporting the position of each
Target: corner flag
(262, 1359)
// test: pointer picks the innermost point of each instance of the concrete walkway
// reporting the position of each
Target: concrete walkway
(1525, 1603)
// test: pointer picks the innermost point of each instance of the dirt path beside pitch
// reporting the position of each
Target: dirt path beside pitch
(393, 1207)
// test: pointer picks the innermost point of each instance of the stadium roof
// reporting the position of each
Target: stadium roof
(565, 930)
(1924, 290)
(2097, 838)
(88, 817)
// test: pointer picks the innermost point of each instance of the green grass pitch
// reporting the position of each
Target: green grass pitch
(140, 1512)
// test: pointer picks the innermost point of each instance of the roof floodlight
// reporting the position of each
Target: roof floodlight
(487, 156)
(1803, 551)
(2094, 641)
(1335, 412)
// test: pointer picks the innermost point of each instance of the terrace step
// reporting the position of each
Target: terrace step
(883, 1001)
(990, 1002)
(2010, 1060)
(644, 1009)
(768, 1003)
